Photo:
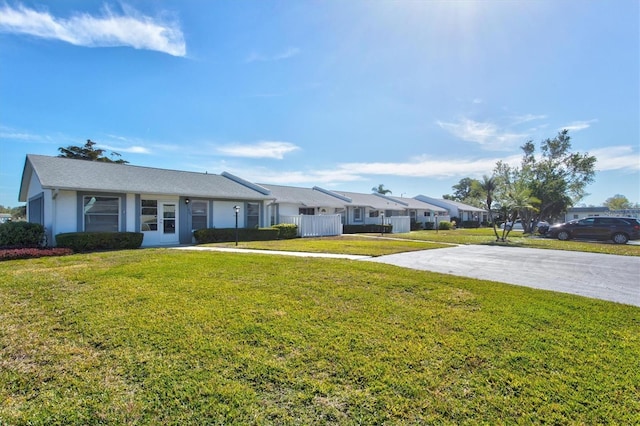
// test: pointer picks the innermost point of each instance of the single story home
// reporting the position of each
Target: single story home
(68, 195)
(463, 212)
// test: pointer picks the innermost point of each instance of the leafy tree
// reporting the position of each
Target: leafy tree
(618, 202)
(89, 153)
(558, 177)
(467, 191)
(380, 189)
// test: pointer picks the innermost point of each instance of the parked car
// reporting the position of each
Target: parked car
(514, 226)
(618, 229)
(543, 227)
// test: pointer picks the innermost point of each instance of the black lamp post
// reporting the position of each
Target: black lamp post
(382, 230)
(436, 214)
(237, 210)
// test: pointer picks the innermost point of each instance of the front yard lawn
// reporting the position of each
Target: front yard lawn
(162, 336)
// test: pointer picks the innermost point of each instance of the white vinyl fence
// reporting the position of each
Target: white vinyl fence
(315, 226)
(399, 224)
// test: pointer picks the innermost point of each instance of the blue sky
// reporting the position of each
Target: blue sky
(345, 95)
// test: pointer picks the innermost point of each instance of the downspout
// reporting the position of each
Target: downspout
(54, 208)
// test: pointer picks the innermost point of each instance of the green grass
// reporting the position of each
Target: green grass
(373, 245)
(345, 244)
(171, 337)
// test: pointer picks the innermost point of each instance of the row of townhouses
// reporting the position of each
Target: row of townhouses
(67, 195)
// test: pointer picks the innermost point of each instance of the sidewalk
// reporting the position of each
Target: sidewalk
(283, 253)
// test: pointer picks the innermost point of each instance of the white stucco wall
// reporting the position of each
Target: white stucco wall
(224, 214)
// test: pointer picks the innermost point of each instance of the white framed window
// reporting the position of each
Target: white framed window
(253, 215)
(357, 214)
(101, 214)
(199, 214)
(307, 211)
(374, 213)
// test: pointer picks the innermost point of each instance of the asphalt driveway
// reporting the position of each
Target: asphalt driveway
(599, 276)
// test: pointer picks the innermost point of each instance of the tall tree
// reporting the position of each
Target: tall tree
(380, 189)
(488, 188)
(557, 177)
(467, 191)
(89, 153)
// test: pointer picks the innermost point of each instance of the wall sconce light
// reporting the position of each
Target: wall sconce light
(187, 201)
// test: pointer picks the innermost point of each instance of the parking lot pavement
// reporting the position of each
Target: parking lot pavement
(599, 276)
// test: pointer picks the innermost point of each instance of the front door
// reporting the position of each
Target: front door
(168, 223)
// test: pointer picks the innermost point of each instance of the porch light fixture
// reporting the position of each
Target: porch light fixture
(187, 201)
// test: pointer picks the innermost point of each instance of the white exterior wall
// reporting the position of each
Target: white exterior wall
(287, 209)
(64, 212)
(130, 225)
(224, 215)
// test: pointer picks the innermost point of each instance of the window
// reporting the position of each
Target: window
(198, 214)
(149, 215)
(253, 215)
(427, 214)
(101, 214)
(374, 213)
(357, 214)
(309, 211)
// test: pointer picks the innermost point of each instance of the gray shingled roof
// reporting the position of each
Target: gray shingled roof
(79, 175)
(304, 196)
(412, 203)
(371, 200)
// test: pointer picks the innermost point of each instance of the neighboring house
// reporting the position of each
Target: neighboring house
(5, 217)
(463, 212)
(362, 209)
(68, 195)
(293, 201)
(422, 212)
(583, 212)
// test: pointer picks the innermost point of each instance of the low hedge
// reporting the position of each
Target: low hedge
(223, 235)
(369, 228)
(21, 235)
(287, 231)
(445, 225)
(93, 241)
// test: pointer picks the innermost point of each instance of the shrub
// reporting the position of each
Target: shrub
(416, 226)
(470, 224)
(30, 253)
(445, 225)
(21, 234)
(222, 235)
(92, 241)
(429, 225)
(369, 228)
(287, 231)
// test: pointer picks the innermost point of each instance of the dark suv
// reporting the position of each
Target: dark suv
(618, 229)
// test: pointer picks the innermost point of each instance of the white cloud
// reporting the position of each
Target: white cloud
(486, 134)
(108, 30)
(285, 54)
(262, 149)
(616, 158)
(578, 125)
(129, 149)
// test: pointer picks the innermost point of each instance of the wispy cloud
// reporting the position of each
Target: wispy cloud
(623, 157)
(262, 149)
(486, 134)
(110, 29)
(285, 54)
(128, 149)
(576, 126)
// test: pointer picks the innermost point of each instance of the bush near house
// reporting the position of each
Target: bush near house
(93, 241)
(445, 225)
(287, 230)
(428, 226)
(21, 235)
(32, 253)
(224, 235)
(369, 228)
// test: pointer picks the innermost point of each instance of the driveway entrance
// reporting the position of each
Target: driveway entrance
(599, 276)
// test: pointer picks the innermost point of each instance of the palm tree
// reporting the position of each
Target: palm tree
(519, 200)
(380, 189)
(488, 187)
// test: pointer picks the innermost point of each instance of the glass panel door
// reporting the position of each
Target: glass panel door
(169, 218)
